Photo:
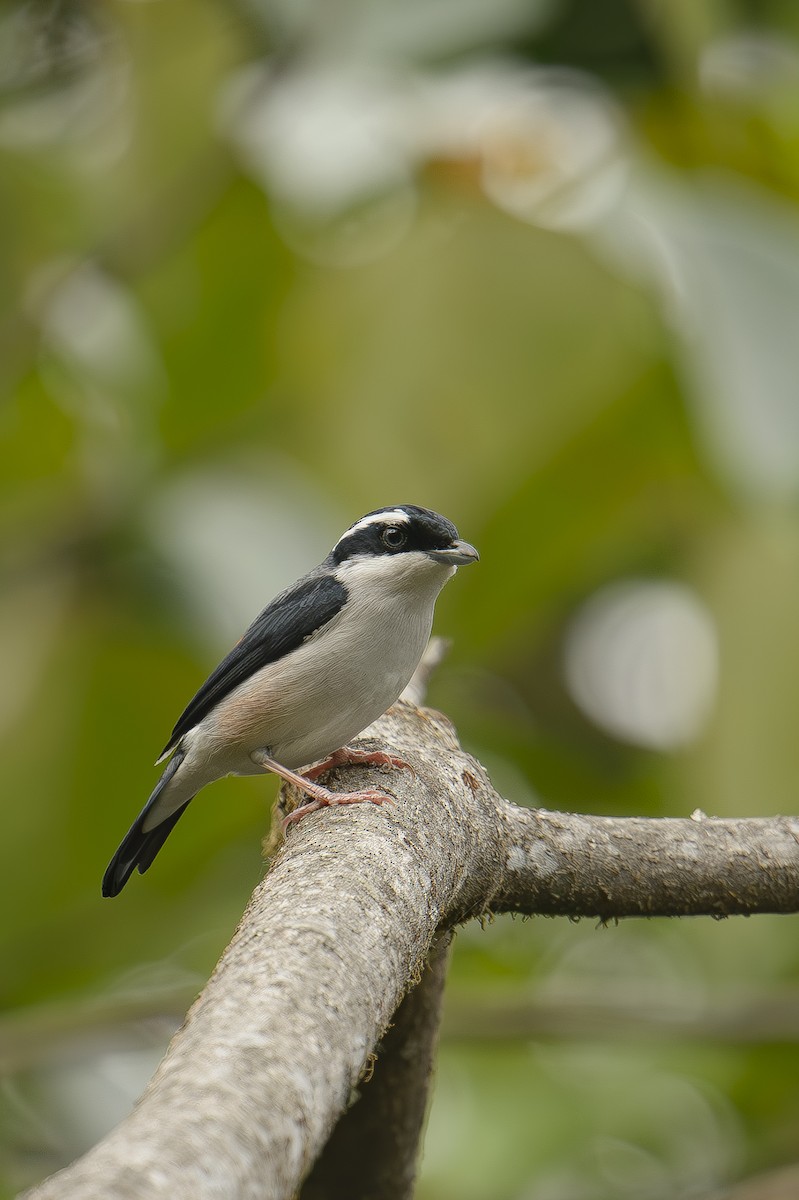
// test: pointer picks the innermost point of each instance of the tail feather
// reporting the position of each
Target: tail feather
(139, 846)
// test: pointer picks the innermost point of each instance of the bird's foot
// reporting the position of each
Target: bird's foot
(318, 796)
(322, 798)
(349, 757)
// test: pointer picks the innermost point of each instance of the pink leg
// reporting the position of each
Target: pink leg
(348, 757)
(320, 797)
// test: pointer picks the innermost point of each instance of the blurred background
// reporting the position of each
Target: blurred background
(533, 263)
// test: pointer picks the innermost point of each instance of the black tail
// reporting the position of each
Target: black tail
(139, 847)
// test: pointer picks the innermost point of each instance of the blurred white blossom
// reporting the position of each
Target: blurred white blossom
(723, 257)
(234, 537)
(641, 660)
(749, 65)
(63, 91)
(546, 146)
(93, 322)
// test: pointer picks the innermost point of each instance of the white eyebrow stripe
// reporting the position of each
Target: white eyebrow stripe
(394, 517)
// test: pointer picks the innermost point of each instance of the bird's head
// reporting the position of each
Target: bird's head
(403, 542)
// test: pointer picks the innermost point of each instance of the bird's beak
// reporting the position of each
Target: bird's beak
(456, 555)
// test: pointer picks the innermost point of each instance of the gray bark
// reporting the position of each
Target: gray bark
(373, 1149)
(265, 1063)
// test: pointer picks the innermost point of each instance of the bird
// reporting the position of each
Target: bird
(325, 658)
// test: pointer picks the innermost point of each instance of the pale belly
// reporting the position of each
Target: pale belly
(311, 704)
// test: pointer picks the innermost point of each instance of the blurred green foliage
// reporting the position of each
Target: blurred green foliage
(266, 267)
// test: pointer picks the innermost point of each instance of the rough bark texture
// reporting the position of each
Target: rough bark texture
(563, 864)
(254, 1082)
(374, 1148)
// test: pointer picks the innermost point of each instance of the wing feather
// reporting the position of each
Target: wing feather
(283, 625)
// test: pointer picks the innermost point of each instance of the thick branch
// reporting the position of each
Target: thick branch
(563, 864)
(255, 1080)
(374, 1147)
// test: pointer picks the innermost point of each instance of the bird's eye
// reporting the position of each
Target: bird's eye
(393, 537)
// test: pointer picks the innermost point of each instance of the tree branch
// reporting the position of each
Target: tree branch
(341, 926)
(374, 1148)
(564, 864)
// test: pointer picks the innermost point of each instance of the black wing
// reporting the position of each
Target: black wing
(283, 626)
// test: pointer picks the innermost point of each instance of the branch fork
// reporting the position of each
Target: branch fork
(251, 1088)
